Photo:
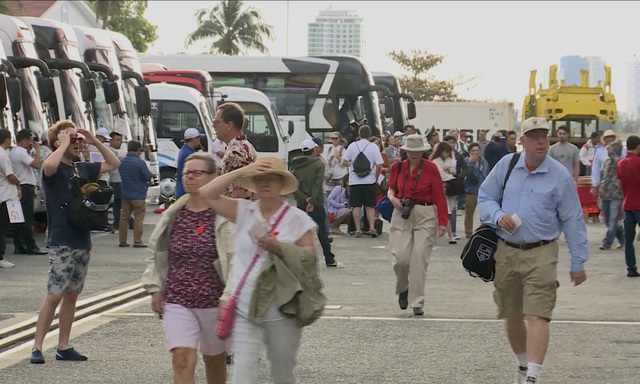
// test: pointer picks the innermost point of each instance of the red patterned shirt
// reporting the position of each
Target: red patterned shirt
(192, 280)
(239, 153)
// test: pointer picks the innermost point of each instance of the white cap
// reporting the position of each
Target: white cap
(307, 145)
(103, 132)
(191, 133)
(534, 124)
(398, 134)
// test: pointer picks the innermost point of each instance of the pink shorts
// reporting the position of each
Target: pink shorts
(193, 328)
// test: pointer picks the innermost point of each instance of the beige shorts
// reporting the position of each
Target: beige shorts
(526, 281)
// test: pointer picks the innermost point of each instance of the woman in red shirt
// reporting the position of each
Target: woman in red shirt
(420, 216)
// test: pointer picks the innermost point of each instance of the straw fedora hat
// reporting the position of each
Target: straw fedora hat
(290, 183)
(608, 133)
(415, 143)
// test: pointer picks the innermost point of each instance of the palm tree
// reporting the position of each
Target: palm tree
(234, 28)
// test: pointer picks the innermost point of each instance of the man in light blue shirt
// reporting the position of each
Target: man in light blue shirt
(540, 201)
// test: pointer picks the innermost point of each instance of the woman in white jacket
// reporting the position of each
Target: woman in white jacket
(443, 158)
(192, 248)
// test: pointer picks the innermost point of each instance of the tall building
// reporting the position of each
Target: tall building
(336, 32)
(633, 87)
(596, 70)
(570, 67)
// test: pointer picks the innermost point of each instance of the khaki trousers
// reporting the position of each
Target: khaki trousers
(411, 242)
(470, 204)
(138, 209)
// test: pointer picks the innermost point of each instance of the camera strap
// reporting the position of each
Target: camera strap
(406, 176)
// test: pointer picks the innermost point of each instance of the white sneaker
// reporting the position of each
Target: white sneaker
(5, 264)
(521, 376)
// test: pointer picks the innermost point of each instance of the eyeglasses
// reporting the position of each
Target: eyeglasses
(196, 173)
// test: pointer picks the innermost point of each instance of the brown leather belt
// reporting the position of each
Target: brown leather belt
(423, 203)
(527, 246)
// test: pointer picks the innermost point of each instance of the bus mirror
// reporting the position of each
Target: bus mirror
(291, 128)
(3, 91)
(411, 111)
(87, 89)
(46, 89)
(111, 91)
(388, 107)
(15, 94)
(143, 101)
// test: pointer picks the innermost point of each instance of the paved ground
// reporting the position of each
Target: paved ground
(368, 339)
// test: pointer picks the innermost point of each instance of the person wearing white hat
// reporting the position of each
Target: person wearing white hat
(420, 216)
(191, 145)
(537, 203)
(600, 157)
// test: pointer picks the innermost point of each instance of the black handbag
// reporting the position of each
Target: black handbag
(478, 255)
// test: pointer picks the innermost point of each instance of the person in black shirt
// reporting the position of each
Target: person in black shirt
(495, 150)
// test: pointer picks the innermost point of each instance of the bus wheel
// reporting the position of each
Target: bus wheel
(167, 184)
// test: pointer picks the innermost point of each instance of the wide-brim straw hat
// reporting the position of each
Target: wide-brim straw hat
(608, 133)
(290, 183)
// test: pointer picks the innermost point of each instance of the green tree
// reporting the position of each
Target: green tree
(234, 27)
(126, 17)
(422, 86)
(8, 7)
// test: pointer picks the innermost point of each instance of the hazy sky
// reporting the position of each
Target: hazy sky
(499, 42)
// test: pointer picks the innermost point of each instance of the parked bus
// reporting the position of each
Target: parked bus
(402, 112)
(36, 83)
(138, 106)
(312, 96)
(56, 44)
(176, 108)
(6, 122)
(196, 79)
(98, 53)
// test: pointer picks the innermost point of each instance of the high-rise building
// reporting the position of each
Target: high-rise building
(570, 67)
(336, 32)
(596, 70)
(633, 87)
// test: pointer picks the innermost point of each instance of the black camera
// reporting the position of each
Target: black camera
(407, 206)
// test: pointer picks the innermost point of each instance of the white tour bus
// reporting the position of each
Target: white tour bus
(312, 96)
(176, 108)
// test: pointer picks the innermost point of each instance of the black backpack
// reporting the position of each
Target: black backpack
(478, 255)
(87, 205)
(361, 164)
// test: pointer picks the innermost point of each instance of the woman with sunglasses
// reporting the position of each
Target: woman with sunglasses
(192, 247)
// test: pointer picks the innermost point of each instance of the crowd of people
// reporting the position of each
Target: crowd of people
(232, 243)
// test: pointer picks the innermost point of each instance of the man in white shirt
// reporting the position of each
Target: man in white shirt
(9, 191)
(102, 134)
(217, 148)
(23, 165)
(588, 151)
(362, 182)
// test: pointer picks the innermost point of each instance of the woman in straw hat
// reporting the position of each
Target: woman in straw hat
(419, 217)
(282, 291)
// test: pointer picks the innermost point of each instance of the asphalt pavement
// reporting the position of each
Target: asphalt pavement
(363, 337)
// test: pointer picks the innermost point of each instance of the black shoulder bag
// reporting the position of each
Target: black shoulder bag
(478, 255)
(87, 204)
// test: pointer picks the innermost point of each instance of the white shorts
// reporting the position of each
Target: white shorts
(193, 328)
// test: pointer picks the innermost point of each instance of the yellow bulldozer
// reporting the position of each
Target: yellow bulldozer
(582, 108)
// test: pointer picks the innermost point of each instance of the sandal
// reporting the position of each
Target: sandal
(358, 235)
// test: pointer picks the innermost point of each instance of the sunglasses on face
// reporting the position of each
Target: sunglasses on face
(334, 138)
(73, 139)
(196, 173)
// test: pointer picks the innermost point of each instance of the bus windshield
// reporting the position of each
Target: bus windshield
(70, 84)
(32, 108)
(105, 113)
(260, 129)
